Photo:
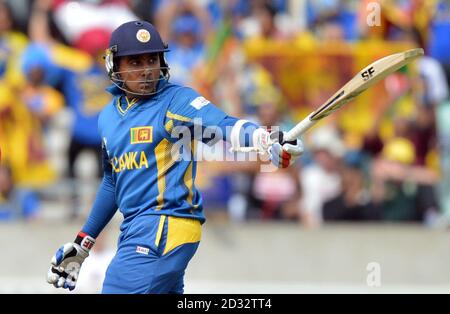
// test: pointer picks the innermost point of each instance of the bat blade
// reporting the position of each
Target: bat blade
(366, 78)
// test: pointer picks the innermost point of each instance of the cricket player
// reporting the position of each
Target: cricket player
(142, 177)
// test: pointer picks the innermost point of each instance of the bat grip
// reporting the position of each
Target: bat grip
(300, 128)
(278, 136)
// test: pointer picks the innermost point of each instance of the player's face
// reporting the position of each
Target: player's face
(140, 73)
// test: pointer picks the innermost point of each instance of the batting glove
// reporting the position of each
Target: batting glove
(66, 263)
(284, 153)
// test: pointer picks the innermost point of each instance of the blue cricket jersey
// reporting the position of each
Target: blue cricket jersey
(141, 175)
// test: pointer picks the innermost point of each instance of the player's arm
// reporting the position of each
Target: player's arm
(191, 109)
(245, 134)
(66, 263)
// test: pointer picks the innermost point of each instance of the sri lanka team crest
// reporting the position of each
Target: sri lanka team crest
(143, 35)
(141, 134)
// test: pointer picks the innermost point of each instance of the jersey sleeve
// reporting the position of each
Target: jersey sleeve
(105, 205)
(188, 108)
(103, 209)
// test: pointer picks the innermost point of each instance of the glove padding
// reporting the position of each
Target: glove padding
(67, 261)
(284, 153)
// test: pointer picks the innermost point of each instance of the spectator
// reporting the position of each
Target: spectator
(321, 181)
(16, 203)
(42, 100)
(354, 203)
(321, 14)
(264, 22)
(73, 18)
(186, 27)
(82, 86)
(402, 191)
(12, 43)
(187, 51)
(439, 41)
(21, 138)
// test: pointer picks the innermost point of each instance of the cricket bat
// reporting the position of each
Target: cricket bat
(366, 78)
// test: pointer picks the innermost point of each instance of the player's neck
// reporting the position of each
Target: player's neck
(134, 97)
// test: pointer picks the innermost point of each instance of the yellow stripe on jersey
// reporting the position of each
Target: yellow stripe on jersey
(164, 160)
(188, 177)
(189, 182)
(181, 231)
(169, 126)
(162, 219)
(119, 106)
(129, 104)
(175, 116)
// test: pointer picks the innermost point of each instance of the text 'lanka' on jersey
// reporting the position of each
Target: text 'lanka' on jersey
(137, 143)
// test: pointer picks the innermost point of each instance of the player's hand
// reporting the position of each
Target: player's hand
(284, 153)
(66, 263)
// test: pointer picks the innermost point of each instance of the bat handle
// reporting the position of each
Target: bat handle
(282, 138)
(300, 128)
(279, 137)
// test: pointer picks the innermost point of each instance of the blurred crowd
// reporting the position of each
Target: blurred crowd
(385, 157)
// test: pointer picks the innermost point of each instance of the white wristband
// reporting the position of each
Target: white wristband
(235, 139)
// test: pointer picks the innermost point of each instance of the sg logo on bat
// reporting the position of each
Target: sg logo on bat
(367, 74)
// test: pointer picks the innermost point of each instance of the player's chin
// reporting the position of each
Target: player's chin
(146, 88)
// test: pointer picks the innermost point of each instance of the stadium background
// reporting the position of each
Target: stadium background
(372, 187)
